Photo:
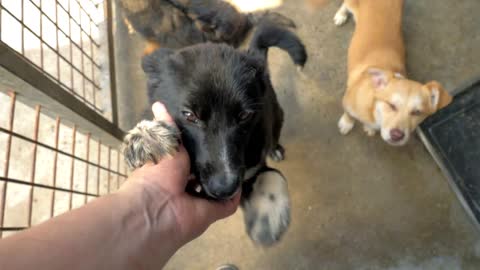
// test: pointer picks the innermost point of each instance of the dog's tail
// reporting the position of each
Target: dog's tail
(269, 35)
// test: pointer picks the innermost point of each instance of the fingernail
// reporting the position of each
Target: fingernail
(158, 108)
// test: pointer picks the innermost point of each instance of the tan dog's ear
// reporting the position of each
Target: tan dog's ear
(439, 97)
(379, 77)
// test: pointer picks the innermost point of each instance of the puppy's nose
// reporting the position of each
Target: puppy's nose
(222, 186)
(396, 134)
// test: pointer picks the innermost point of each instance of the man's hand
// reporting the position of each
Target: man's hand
(163, 188)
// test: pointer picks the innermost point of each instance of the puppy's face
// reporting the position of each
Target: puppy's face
(216, 97)
(216, 124)
(402, 104)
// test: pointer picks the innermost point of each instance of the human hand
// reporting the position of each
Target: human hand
(162, 186)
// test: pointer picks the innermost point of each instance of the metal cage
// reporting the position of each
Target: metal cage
(59, 136)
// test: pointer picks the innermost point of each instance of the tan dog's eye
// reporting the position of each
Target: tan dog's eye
(416, 112)
(392, 106)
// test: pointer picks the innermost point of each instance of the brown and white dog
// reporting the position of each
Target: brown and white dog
(378, 94)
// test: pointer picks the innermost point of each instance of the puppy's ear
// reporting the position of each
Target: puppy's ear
(256, 72)
(152, 63)
(439, 97)
(379, 77)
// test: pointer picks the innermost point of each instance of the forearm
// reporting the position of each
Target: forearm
(118, 231)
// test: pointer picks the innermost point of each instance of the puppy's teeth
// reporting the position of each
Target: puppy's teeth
(198, 188)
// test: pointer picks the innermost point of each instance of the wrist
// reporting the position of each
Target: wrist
(149, 223)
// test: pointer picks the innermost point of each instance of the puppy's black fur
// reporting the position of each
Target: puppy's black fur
(221, 99)
(224, 104)
(229, 118)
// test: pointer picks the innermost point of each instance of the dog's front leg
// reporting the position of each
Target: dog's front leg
(346, 123)
(266, 207)
(150, 141)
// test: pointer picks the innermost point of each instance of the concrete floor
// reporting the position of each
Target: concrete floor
(357, 203)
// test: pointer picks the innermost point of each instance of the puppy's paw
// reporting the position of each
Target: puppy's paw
(277, 154)
(149, 141)
(340, 17)
(370, 131)
(267, 208)
(345, 124)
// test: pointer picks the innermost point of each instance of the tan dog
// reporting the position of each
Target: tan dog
(378, 93)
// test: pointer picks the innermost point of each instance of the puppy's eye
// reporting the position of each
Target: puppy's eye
(416, 112)
(245, 116)
(190, 116)
(392, 106)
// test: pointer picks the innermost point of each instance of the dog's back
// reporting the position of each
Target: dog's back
(377, 40)
(177, 24)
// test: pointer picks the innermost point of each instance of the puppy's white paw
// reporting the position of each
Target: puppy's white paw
(340, 17)
(267, 208)
(149, 141)
(370, 131)
(345, 124)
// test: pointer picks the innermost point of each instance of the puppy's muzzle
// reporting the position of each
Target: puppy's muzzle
(223, 187)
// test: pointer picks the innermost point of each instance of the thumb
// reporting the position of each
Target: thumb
(161, 114)
(212, 211)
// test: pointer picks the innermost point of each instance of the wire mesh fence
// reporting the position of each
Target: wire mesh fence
(58, 135)
(48, 166)
(61, 38)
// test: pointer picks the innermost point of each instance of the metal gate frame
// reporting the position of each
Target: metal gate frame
(29, 84)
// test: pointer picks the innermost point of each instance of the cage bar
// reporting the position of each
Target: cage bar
(60, 80)
(7, 157)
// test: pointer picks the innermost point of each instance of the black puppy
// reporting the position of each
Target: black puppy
(229, 120)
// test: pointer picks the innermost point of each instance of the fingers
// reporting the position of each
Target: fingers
(161, 114)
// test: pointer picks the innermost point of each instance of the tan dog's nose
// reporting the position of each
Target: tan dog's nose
(396, 134)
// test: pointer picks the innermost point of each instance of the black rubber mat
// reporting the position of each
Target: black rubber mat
(453, 138)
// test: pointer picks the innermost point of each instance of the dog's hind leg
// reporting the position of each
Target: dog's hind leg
(266, 206)
(341, 16)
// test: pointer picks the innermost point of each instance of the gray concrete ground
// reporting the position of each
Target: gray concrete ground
(357, 203)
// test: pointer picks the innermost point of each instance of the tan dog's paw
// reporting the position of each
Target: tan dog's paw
(149, 141)
(370, 131)
(345, 124)
(341, 16)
